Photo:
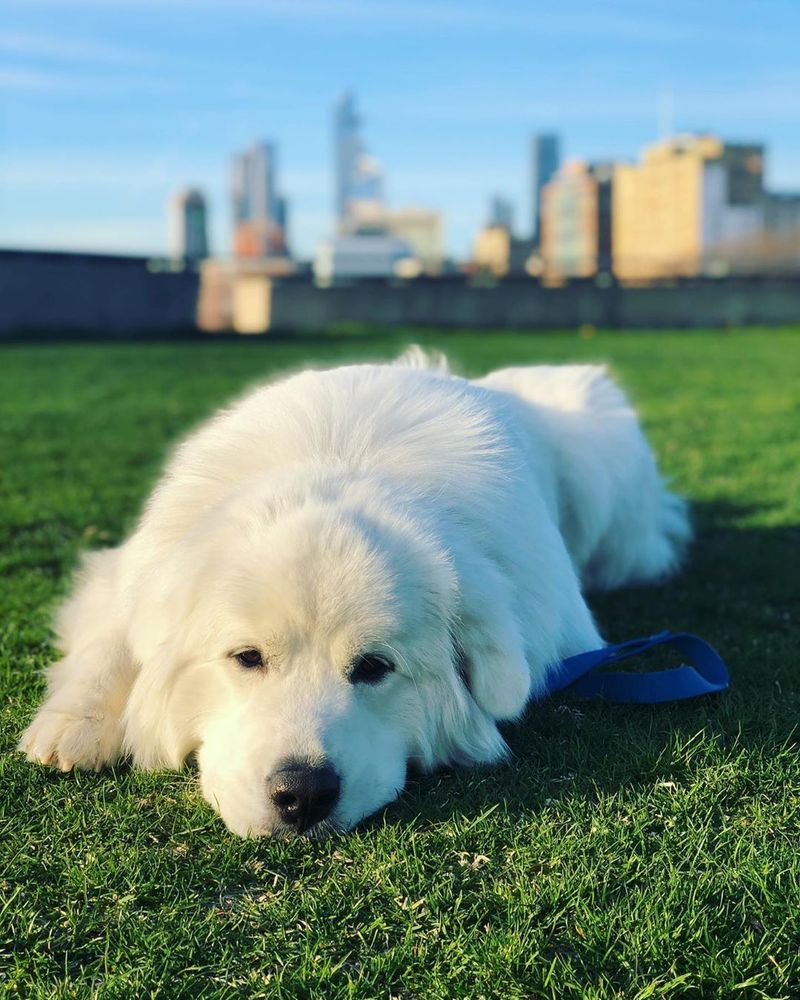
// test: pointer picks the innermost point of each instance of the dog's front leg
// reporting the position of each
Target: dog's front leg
(80, 722)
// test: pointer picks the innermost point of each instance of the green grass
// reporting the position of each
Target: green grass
(627, 852)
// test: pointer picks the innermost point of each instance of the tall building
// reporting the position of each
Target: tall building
(259, 212)
(501, 212)
(347, 149)
(576, 213)
(188, 229)
(688, 195)
(359, 178)
(370, 239)
(545, 161)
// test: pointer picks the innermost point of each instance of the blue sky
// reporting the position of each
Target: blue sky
(106, 106)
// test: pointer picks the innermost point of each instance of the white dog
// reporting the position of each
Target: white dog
(351, 570)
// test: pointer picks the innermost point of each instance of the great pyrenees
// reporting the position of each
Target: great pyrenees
(348, 571)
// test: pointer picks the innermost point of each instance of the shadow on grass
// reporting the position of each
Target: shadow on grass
(740, 591)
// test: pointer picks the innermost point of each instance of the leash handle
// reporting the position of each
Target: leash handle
(704, 673)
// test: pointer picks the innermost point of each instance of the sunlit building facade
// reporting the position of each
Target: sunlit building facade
(422, 230)
(576, 236)
(688, 195)
(492, 251)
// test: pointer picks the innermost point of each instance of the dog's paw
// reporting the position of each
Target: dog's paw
(68, 741)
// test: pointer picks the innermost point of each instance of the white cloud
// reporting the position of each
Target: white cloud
(621, 21)
(92, 170)
(24, 79)
(30, 44)
(84, 81)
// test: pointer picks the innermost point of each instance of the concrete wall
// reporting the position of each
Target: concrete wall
(119, 296)
(92, 293)
(523, 304)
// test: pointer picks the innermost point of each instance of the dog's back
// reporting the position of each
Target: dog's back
(620, 523)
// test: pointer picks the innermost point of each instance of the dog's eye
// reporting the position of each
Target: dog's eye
(369, 669)
(250, 658)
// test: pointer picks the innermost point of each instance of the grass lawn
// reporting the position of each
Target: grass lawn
(627, 851)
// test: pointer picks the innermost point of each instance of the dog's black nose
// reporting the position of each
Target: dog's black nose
(303, 793)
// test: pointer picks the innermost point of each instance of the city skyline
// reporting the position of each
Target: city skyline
(106, 113)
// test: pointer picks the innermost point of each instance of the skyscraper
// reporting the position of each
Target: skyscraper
(347, 146)
(545, 161)
(259, 212)
(501, 212)
(187, 224)
(359, 179)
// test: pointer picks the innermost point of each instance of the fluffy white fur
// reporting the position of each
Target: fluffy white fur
(396, 509)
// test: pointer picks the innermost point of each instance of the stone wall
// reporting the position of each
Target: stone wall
(59, 293)
(523, 304)
(92, 293)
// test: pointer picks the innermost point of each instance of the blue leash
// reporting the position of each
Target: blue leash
(703, 673)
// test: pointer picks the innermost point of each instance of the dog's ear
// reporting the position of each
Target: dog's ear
(159, 730)
(507, 662)
(494, 668)
(160, 716)
(488, 648)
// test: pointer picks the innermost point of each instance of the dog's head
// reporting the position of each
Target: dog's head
(306, 655)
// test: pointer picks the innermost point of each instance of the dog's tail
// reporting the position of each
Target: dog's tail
(415, 357)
